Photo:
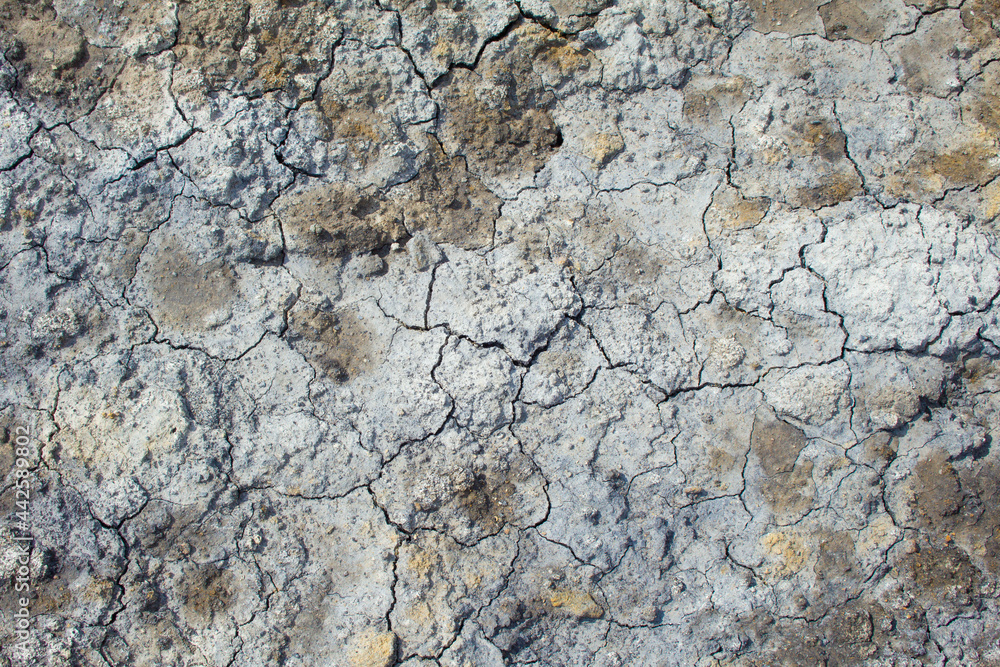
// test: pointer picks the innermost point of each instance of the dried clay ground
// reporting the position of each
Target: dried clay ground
(362, 333)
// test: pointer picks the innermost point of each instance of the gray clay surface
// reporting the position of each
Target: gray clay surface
(361, 333)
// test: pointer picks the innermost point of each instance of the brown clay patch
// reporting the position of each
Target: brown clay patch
(978, 370)
(787, 554)
(855, 632)
(497, 488)
(498, 117)
(971, 164)
(339, 219)
(957, 503)
(982, 19)
(942, 575)
(991, 202)
(730, 210)
(487, 499)
(791, 494)
(184, 290)
(777, 444)
(53, 59)
(449, 204)
(981, 103)
(839, 181)
(575, 603)
(722, 461)
(848, 635)
(209, 38)
(207, 590)
(553, 56)
(791, 16)
(296, 44)
(637, 264)
(173, 531)
(938, 492)
(269, 51)
(880, 450)
(930, 172)
(710, 101)
(511, 137)
(8, 432)
(853, 19)
(374, 649)
(218, 39)
(835, 559)
(603, 147)
(836, 188)
(819, 137)
(985, 110)
(53, 593)
(488, 502)
(337, 343)
(788, 485)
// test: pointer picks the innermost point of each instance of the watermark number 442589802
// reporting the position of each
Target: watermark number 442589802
(23, 454)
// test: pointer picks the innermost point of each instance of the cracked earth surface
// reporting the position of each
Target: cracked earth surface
(500, 332)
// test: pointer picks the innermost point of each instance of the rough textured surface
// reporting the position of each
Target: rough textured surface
(499, 332)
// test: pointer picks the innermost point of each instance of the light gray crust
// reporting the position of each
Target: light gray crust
(500, 332)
